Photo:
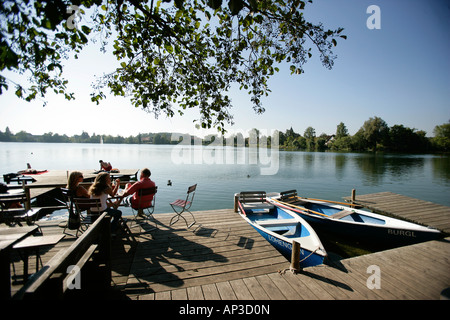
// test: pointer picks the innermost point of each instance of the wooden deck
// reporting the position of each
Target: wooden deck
(411, 209)
(223, 258)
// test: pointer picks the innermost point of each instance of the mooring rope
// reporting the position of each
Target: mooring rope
(295, 271)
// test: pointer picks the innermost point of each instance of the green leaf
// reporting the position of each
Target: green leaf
(215, 4)
(178, 15)
(19, 92)
(86, 29)
(179, 3)
(168, 47)
(253, 4)
(235, 6)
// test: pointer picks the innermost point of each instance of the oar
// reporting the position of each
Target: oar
(330, 201)
(301, 208)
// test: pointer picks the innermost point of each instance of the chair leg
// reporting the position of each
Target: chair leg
(192, 218)
(149, 215)
(126, 229)
(179, 215)
(136, 215)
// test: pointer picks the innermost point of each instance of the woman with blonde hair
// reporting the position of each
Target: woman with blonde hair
(75, 178)
(101, 189)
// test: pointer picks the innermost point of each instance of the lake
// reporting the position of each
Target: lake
(220, 172)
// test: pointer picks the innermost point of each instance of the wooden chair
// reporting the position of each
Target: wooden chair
(13, 209)
(180, 206)
(76, 207)
(86, 204)
(145, 212)
(74, 220)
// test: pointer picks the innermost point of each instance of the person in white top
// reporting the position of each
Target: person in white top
(101, 189)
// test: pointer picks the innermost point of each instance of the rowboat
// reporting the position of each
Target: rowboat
(344, 220)
(280, 227)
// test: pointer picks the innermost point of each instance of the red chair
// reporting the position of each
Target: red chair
(180, 206)
(145, 212)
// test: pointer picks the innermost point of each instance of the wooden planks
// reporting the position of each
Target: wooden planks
(414, 210)
(423, 273)
(417, 272)
(220, 247)
(222, 257)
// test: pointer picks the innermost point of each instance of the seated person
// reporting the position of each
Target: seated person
(75, 179)
(106, 166)
(101, 189)
(135, 201)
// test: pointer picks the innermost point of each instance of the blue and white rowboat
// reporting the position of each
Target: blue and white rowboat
(280, 227)
(335, 218)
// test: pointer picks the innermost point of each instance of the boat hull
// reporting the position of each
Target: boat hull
(373, 235)
(281, 227)
(307, 258)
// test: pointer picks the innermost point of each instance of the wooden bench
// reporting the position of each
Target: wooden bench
(53, 280)
(341, 214)
(11, 210)
(277, 223)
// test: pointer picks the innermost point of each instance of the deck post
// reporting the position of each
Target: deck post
(27, 194)
(353, 196)
(295, 257)
(236, 197)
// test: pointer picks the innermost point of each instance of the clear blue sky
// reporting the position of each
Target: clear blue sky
(400, 73)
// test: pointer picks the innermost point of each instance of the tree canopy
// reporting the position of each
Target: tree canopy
(173, 55)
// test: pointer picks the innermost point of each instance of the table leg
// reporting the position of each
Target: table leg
(25, 265)
(5, 274)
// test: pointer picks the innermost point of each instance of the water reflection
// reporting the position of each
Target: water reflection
(314, 174)
(441, 170)
(375, 168)
(340, 165)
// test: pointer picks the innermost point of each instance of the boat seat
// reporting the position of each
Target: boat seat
(273, 222)
(258, 206)
(341, 214)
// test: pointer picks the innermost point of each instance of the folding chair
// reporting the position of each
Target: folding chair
(146, 212)
(76, 220)
(85, 204)
(180, 206)
(11, 214)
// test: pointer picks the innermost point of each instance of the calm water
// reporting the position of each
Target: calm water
(222, 172)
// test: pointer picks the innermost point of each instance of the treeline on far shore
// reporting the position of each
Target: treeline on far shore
(374, 135)
(84, 137)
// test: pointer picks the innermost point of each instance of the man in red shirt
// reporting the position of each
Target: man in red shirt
(144, 182)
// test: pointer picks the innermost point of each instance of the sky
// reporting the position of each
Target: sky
(399, 72)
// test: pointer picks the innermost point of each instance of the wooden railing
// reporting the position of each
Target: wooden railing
(55, 279)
